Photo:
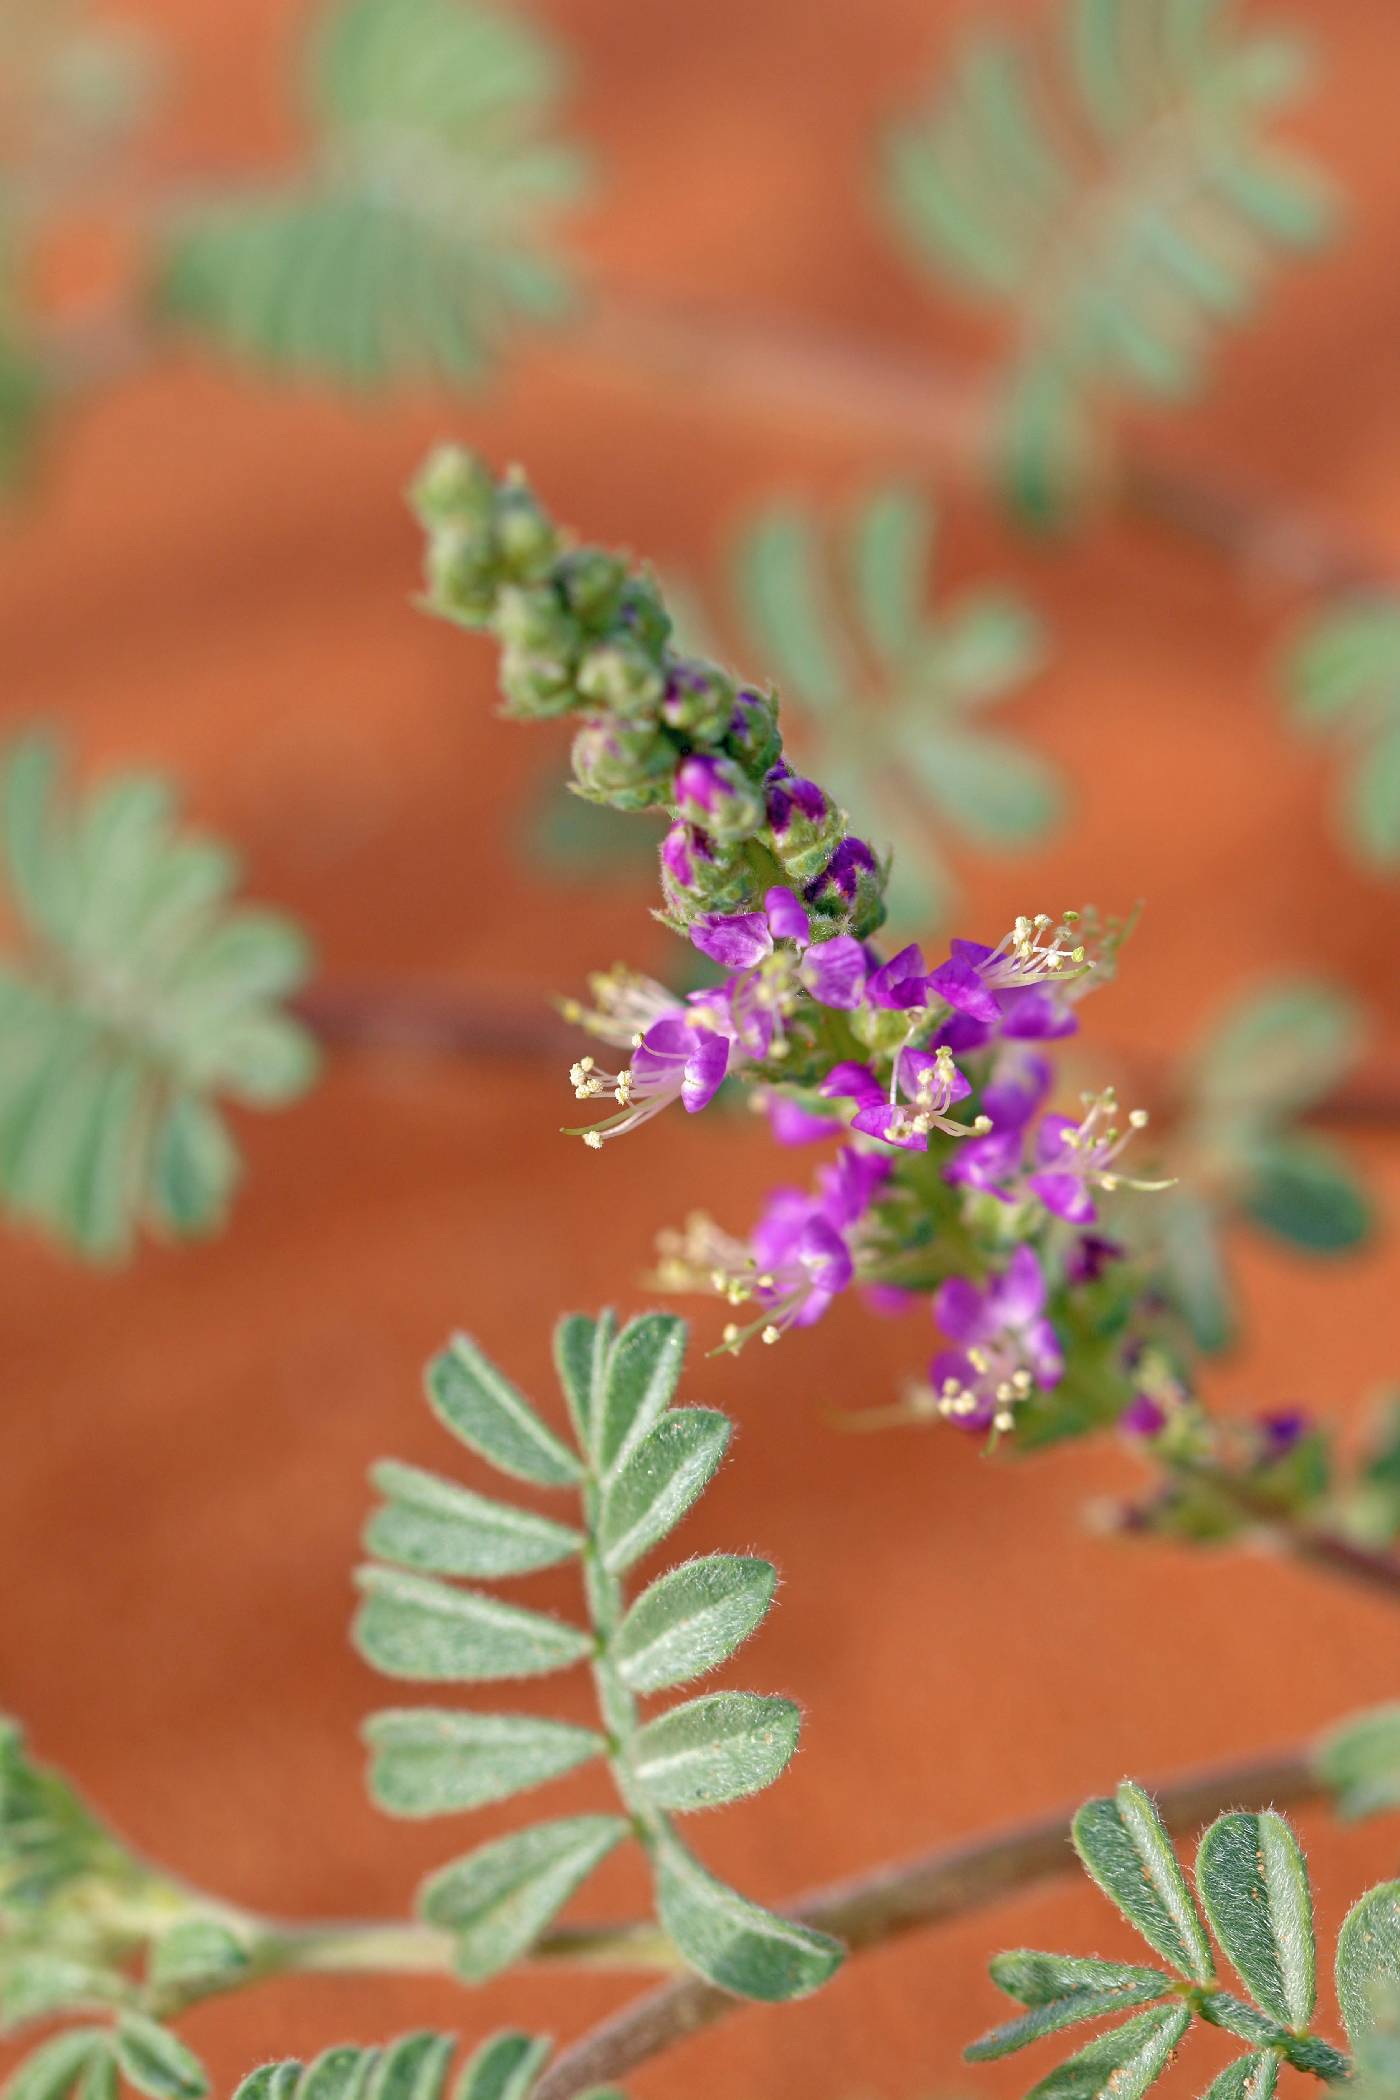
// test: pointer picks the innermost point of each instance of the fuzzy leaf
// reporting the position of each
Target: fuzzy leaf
(434, 1525)
(1304, 1192)
(1121, 2064)
(157, 2061)
(432, 1763)
(995, 792)
(639, 1380)
(416, 2067)
(504, 2068)
(715, 1749)
(665, 1473)
(735, 1943)
(1126, 1850)
(56, 2069)
(1024, 1973)
(1368, 1957)
(1370, 804)
(200, 1950)
(691, 1619)
(1253, 1882)
(1251, 2077)
(498, 1900)
(1280, 1049)
(1360, 1762)
(1238, 2017)
(479, 1404)
(891, 539)
(786, 604)
(581, 1349)
(412, 1626)
(1051, 2017)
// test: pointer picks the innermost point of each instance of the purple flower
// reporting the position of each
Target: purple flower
(1281, 1431)
(1143, 1416)
(988, 1164)
(1076, 1157)
(737, 942)
(787, 916)
(900, 983)
(929, 1083)
(850, 1081)
(849, 887)
(1008, 1345)
(889, 1300)
(716, 795)
(851, 1183)
(1090, 1256)
(803, 824)
(796, 1263)
(833, 971)
(752, 736)
(675, 1060)
(792, 1124)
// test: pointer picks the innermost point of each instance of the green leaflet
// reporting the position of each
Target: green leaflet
(715, 1749)
(1280, 1049)
(479, 1404)
(1360, 1761)
(412, 1626)
(891, 546)
(101, 2080)
(504, 2068)
(1126, 1850)
(1035, 1978)
(157, 2061)
(356, 272)
(1051, 2017)
(1303, 1191)
(56, 2069)
(1368, 1957)
(1251, 2077)
(199, 1951)
(735, 1943)
(1342, 677)
(433, 1525)
(137, 995)
(638, 1382)
(692, 1619)
(581, 1349)
(1121, 2064)
(1253, 1882)
(426, 1762)
(498, 1900)
(666, 1472)
(38, 1985)
(416, 2067)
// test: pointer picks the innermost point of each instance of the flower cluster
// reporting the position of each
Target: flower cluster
(955, 1174)
(584, 635)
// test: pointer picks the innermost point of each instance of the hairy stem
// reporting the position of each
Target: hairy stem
(907, 1897)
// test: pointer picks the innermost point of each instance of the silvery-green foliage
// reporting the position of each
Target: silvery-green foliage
(135, 1000)
(893, 696)
(1109, 182)
(1251, 1886)
(1342, 680)
(415, 241)
(1360, 1762)
(636, 1465)
(415, 2067)
(1273, 1055)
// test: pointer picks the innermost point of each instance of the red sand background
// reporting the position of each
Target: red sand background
(215, 577)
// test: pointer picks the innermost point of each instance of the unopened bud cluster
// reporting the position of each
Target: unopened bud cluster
(583, 634)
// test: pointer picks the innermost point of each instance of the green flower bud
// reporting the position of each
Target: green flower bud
(641, 612)
(698, 875)
(536, 686)
(592, 583)
(628, 764)
(622, 676)
(699, 700)
(524, 534)
(753, 735)
(537, 620)
(454, 488)
(462, 575)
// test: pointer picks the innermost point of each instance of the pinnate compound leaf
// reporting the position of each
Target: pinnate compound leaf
(736, 1943)
(431, 1762)
(715, 1749)
(442, 1529)
(498, 1900)
(1121, 2064)
(1125, 1848)
(156, 2061)
(479, 1404)
(1253, 1881)
(692, 1619)
(665, 1473)
(1360, 1762)
(639, 1380)
(137, 995)
(1368, 1957)
(1251, 2077)
(412, 1626)
(57, 2068)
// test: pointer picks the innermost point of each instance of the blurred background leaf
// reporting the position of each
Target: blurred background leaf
(1342, 679)
(134, 999)
(1105, 180)
(417, 238)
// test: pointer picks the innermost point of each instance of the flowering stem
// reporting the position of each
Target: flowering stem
(907, 1897)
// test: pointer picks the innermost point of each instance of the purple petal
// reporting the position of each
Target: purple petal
(850, 1081)
(704, 1070)
(666, 1044)
(781, 1223)
(1044, 1354)
(1066, 1196)
(1090, 1256)
(883, 1121)
(900, 983)
(1016, 1089)
(958, 984)
(953, 1364)
(1018, 1294)
(851, 1183)
(1050, 1138)
(1033, 1013)
(1282, 1430)
(752, 1017)
(1142, 1416)
(981, 1163)
(834, 971)
(737, 942)
(917, 1067)
(961, 1033)
(889, 1300)
(825, 1256)
(787, 917)
(962, 1310)
(792, 1124)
